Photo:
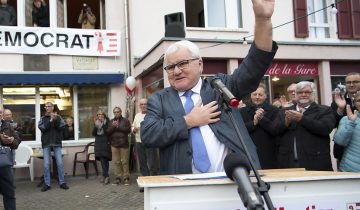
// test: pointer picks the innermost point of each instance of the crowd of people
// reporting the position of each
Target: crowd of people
(185, 128)
(40, 15)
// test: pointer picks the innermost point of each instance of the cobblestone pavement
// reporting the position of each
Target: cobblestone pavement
(84, 194)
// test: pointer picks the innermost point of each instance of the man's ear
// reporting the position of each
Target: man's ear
(201, 66)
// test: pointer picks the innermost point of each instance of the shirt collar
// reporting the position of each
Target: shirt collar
(299, 108)
(195, 89)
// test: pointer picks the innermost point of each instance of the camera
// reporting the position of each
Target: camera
(85, 6)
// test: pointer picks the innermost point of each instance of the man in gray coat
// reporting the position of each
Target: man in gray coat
(166, 125)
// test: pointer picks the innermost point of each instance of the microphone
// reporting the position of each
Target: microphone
(224, 91)
(237, 169)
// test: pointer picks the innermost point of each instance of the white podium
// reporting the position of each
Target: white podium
(291, 189)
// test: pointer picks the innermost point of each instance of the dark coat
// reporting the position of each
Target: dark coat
(6, 129)
(68, 134)
(263, 134)
(7, 16)
(119, 135)
(312, 138)
(102, 143)
(40, 16)
(51, 132)
(164, 125)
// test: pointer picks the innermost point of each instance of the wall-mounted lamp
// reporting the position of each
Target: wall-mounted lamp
(275, 79)
(244, 41)
(333, 9)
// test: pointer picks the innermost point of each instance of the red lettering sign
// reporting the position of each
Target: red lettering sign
(292, 69)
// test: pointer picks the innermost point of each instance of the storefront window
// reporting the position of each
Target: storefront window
(153, 87)
(91, 98)
(61, 97)
(21, 102)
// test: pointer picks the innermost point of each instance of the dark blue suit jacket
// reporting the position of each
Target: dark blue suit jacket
(164, 125)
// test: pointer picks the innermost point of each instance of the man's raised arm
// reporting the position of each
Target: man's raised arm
(263, 10)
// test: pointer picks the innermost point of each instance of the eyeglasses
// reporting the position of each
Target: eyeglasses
(116, 112)
(304, 92)
(352, 82)
(181, 65)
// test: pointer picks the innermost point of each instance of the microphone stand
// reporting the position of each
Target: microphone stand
(263, 187)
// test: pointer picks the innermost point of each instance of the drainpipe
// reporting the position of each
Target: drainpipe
(129, 106)
(127, 38)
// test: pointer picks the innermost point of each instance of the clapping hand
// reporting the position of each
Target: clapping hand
(5, 139)
(259, 114)
(115, 123)
(293, 116)
(340, 101)
(351, 116)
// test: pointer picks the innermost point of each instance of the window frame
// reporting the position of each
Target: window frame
(231, 8)
(75, 107)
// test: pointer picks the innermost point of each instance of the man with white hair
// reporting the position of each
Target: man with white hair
(304, 130)
(186, 121)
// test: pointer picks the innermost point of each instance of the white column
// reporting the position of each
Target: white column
(325, 83)
(232, 64)
(21, 12)
(53, 13)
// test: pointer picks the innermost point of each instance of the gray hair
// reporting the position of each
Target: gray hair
(302, 84)
(184, 44)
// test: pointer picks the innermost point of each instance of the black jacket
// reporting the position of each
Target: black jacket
(310, 137)
(7, 16)
(102, 143)
(40, 16)
(6, 128)
(263, 134)
(52, 132)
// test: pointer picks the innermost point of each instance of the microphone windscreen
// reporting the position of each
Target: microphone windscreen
(232, 161)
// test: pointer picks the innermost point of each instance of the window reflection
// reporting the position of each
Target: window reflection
(61, 97)
(91, 98)
(21, 102)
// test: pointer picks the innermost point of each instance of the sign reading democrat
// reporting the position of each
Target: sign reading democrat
(63, 41)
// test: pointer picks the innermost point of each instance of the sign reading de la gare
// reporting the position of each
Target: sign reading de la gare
(292, 69)
(64, 41)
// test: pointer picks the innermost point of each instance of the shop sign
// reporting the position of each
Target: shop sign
(63, 41)
(292, 69)
(85, 63)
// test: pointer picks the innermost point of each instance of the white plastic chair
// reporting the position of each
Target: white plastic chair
(24, 159)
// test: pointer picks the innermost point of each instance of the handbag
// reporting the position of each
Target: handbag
(6, 157)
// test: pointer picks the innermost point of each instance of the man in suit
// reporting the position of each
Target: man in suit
(166, 125)
(304, 130)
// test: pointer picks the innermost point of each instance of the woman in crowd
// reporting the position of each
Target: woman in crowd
(102, 144)
(259, 116)
(348, 135)
(40, 14)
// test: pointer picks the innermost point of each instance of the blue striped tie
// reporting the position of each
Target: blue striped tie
(200, 156)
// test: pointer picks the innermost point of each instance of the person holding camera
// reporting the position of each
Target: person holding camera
(341, 100)
(87, 19)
